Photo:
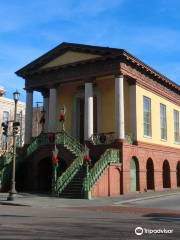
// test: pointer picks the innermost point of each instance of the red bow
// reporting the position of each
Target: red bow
(86, 158)
(61, 118)
(54, 159)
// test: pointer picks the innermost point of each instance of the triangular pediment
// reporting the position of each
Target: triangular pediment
(70, 57)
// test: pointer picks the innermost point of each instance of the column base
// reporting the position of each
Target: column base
(11, 196)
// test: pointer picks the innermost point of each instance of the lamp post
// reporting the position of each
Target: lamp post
(13, 186)
(62, 116)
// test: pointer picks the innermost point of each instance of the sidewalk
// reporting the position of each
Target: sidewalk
(43, 201)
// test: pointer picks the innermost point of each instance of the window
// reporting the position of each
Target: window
(176, 127)
(4, 138)
(147, 116)
(163, 122)
(5, 116)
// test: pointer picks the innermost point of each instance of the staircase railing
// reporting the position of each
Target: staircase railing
(59, 138)
(69, 142)
(68, 175)
(40, 140)
(102, 138)
(110, 156)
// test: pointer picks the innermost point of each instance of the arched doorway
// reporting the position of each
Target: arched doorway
(150, 174)
(134, 175)
(178, 174)
(166, 175)
(45, 175)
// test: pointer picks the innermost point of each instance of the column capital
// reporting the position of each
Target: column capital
(54, 86)
(29, 90)
(89, 80)
(119, 75)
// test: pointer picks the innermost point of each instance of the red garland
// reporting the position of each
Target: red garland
(61, 118)
(54, 159)
(86, 158)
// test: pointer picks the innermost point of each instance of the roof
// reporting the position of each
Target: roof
(104, 51)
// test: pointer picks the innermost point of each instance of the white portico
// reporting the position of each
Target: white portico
(51, 108)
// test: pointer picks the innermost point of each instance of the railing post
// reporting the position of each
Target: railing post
(87, 193)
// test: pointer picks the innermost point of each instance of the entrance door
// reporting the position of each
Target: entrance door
(150, 174)
(133, 177)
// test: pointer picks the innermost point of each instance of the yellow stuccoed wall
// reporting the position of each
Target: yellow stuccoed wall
(106, 89)
(155, 116)
(70, 57)
(107, 109)
(127, 108)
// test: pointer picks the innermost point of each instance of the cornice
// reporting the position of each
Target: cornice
(153, 147)
(149, 70)
(151, 84)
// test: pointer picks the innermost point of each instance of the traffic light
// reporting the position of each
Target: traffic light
(4, 125)
(15, 127)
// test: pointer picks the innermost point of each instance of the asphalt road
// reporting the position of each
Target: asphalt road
(92, 222)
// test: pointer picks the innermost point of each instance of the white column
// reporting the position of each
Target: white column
(52, 110)
(46, 109)
(28, 117)
(119, 107)
(88, 111)
(133, 110)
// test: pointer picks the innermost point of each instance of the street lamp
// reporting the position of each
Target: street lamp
(62, 116)
(12, 192)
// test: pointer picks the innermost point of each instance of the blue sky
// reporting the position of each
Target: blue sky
(150, 30)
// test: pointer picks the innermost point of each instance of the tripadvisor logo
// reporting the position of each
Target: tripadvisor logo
(139, 231)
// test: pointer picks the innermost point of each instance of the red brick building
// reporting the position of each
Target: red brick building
(126, 112)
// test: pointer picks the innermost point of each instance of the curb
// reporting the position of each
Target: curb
(144, 198)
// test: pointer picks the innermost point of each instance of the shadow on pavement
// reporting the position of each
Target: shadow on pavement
(163, 217)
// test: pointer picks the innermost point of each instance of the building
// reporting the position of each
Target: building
(126, 112)
(7, 115)
(37, 124)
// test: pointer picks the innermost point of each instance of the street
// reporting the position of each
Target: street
(92, 221)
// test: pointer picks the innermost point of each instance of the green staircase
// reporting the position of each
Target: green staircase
(66, 178)
(109, 156)
(61, 138)
(77, 181)
(74, 189)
